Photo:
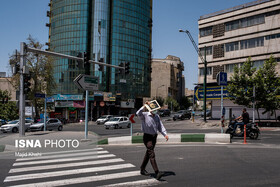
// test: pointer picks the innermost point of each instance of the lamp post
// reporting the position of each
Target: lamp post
(157, 89)
(205, 68)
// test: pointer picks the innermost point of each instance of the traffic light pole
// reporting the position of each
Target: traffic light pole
(21, 96)
(23, 50)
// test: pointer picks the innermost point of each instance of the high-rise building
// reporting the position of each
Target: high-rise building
(234, 34)
(110, 31)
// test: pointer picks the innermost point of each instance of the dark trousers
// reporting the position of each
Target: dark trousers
(150, 143)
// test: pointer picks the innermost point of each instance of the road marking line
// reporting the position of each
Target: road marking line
(60, 156)
(55, 166)
(82, 180)
(65, 172)
(64, 160)
(146, 182)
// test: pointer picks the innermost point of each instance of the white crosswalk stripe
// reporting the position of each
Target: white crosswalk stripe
(75, 168)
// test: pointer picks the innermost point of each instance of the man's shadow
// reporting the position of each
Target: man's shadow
(165, 174)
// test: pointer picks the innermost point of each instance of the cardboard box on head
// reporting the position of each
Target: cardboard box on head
(153, 105)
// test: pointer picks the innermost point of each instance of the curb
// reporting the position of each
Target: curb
(173, 138)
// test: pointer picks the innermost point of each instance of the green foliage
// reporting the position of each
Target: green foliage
(267, 85)
(160, 100)
(265, 80)
(172, 102)
(185, 103)
(8, 111)
(241, 84)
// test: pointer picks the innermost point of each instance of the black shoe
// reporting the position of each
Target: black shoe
(159, 175)
(144, 172)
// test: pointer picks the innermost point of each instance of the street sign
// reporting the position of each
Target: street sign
(39, 95)
(131, 118)
(86, 82)
(212, 92)
(222, 79)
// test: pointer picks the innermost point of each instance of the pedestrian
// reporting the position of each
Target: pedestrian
(151, 124)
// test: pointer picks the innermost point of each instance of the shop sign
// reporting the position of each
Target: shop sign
(64, 104)
(107, 96)
(68, 97)
(112, 99)
(79, 104)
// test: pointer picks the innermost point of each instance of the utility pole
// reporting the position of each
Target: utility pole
(205, 69)
(21, 90)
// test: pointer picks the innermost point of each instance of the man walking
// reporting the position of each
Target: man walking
(151, 124)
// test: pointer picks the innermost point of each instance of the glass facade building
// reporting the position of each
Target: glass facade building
(112, 32)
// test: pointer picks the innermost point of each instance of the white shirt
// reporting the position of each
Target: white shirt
(150, 124)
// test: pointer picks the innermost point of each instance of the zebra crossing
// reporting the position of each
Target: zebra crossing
(87, 167)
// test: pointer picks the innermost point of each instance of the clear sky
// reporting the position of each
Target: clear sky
(19, 18)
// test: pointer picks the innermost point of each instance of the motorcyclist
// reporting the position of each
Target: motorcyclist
(244, 117)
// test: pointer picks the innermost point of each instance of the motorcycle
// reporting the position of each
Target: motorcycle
(252, 130)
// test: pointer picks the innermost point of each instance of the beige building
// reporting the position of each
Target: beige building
(167, 78)
(5, 84)
(232, 35)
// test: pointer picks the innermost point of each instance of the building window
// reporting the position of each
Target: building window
(208, 51)
(252, 43)
(233, 46)
(245, 22)
(230, 67)
(205, 31)
(258, 64)
(274, 36)
(201, 71)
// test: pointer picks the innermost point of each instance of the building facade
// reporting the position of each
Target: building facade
(167, 78)
(230, 36)
(109, 31)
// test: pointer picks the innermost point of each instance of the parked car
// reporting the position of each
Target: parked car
(208, 113)
(51, 124)
(13, 126)
(182, 114)
(2, 122)
(164, 112)
(117, 122)
(103, 119)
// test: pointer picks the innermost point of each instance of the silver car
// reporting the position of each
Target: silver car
(51, 124)
(13, 126)
(103, 119)
(117, 122)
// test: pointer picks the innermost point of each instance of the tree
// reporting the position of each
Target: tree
(41, 71)
(160, 100)
(172, 104)
(8, 109)
(267, 85)
(241, 84)
(266, 82)
(185, 103)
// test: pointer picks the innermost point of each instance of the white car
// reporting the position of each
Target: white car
(118, 122)
(13, 126)
(103, 119)
(51, 124)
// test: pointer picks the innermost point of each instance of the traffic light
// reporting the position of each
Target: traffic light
(86, 57)
(101, 67)
(121, 70)
(126, 68)
(26, 84)
(80, 63)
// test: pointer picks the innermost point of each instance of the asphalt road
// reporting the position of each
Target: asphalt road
(185, 164)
